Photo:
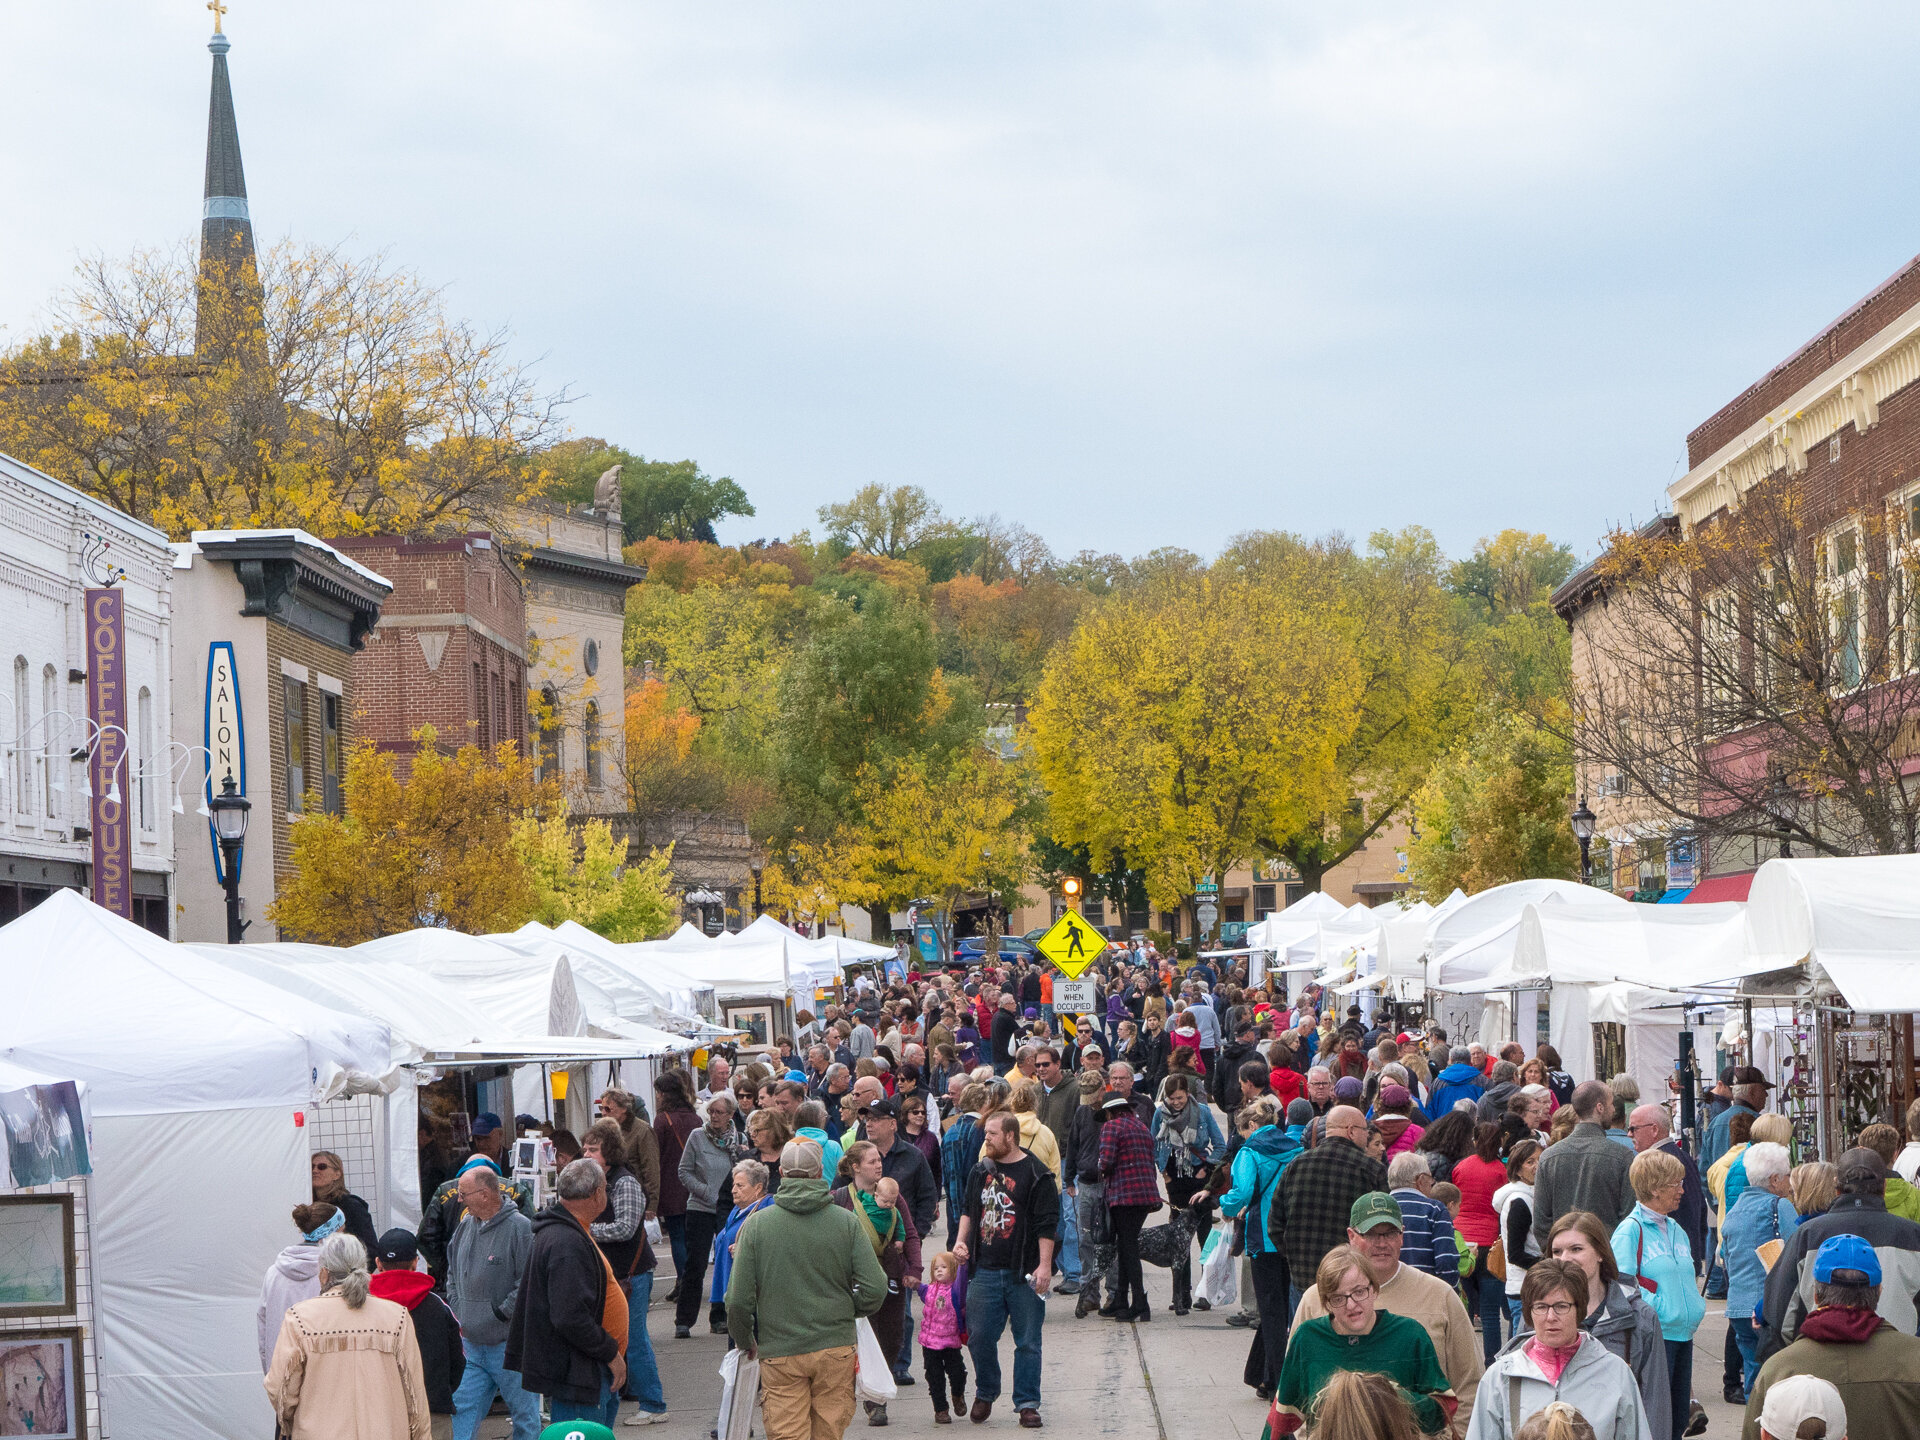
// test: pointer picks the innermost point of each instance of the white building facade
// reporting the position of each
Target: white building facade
(46, 816)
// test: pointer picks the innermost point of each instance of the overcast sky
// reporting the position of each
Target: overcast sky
(1130, 274)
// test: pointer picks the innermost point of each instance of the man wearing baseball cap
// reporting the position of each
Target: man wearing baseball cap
(1870, 1371)
(1858, 1213)
(1376, 1227)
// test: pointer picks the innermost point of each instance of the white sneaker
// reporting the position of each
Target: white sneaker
(645, 1417)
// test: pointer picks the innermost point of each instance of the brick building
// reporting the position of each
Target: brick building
(1833, 433)
(450, 646)
(267, 624)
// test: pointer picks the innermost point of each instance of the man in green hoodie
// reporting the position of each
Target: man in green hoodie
(802, 1273)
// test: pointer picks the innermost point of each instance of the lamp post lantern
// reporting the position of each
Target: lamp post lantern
(230, 810)
(1583, 821)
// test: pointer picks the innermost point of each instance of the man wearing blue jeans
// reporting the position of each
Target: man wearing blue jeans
(487, 1252)
(1007, 1236)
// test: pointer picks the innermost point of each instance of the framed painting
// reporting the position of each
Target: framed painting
(42, 1393)
(37, 1262)
(755, 1020)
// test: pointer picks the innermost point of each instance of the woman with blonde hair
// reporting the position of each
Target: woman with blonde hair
(346, 1365)
(1035, 1138)
(1559, 1421)
(1360, 1405)
(330, 1188)
(1650, 1246)
(1813, 1187)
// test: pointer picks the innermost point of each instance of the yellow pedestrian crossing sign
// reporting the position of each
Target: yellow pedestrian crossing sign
(1072, 944)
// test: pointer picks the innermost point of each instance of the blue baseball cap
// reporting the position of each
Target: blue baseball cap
(1846, 1252)
(484, 1123)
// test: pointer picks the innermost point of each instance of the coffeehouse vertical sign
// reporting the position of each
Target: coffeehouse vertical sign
(107, 708)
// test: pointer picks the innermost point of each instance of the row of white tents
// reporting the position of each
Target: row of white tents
(203, 1069)
(1843, 929)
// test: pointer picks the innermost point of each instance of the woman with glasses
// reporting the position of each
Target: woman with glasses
(1616, 1315)
(1557, 1361)
(1355, 1334)
(1652, 1252)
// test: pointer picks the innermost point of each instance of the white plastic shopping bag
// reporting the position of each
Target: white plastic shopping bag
(739, 1391)
(873, 1376)
(655, 1235)
(1219, 1277)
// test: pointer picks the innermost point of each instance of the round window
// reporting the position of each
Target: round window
(593, 657)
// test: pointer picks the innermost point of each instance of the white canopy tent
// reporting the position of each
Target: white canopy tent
(1856, 919)
(196, 1078)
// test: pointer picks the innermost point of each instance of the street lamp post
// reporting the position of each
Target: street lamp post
(230, 809)
(1583, 822)
(756, 865)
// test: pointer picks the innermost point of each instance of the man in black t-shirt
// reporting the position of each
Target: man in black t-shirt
(1007, 1236)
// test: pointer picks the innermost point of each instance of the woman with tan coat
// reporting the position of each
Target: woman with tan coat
(346, 1365)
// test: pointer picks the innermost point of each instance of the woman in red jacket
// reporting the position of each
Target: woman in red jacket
(1288, 1083)
(1478, 1177)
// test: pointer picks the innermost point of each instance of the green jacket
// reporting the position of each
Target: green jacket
(1902, 1199)
(802, 1273)
(1879, 1381)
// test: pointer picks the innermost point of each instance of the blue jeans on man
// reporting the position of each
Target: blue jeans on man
(604, 1410)
(1747, 1336)
(1067, 1257)
(486, 1374)
(643, 1371)
(995, 1299)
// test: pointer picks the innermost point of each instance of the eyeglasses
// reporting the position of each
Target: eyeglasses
(1357, 1296)
(1558, 1309)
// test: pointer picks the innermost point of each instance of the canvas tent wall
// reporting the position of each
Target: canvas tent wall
(1856, 920)
(195, 1076)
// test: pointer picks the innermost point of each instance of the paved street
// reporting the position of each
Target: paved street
(1166, 1380)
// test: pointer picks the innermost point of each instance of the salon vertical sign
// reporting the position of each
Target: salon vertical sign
(107, 708)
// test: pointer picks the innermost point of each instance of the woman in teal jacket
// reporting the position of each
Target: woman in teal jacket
(1651, 1251)
(1258, 1164)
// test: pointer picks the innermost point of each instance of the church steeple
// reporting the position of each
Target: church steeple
(226, 229)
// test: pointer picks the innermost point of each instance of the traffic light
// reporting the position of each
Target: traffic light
(1070, 889)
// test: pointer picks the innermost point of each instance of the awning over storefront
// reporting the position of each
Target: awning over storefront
(1720, 887)
(1674, 897)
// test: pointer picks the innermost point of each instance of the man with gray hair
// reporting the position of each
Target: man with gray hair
(1585, 1171)
(1427, 1237)
(568, 1336)
(1502, 1085)
(802, 1273)
(485, 1258)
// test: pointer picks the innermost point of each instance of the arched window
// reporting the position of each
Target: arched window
(51, 745)
(590, 738)
(22, 722)
(549, 734)
(144, 762)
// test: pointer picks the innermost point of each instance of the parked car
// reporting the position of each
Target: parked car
(975, 946)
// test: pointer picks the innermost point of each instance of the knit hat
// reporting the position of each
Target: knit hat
(1300, 1111)
(1347, 1089)
(1392, 1096)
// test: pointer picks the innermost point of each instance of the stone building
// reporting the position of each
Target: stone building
(576, 609)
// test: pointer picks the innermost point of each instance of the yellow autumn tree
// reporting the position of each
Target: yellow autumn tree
(809, 881)
(581, 873)
(941, 829)
(1191, 715)
(434, 849)
(343, 398)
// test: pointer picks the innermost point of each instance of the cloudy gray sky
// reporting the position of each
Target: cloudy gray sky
(1132, 274)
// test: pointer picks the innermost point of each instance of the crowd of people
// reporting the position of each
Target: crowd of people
(1423, 1238)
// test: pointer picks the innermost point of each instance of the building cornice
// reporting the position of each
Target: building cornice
(586, 567)
(1850, 391)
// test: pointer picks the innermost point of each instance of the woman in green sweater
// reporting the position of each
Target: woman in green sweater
(1354, 1335)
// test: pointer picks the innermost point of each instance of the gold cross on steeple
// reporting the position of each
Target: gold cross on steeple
(218, 10)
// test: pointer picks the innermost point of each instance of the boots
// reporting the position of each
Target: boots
(1088, 1301)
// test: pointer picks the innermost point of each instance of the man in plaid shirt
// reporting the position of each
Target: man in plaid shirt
(1310, 1212)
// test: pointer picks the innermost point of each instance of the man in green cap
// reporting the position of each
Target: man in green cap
(1375, 1227)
